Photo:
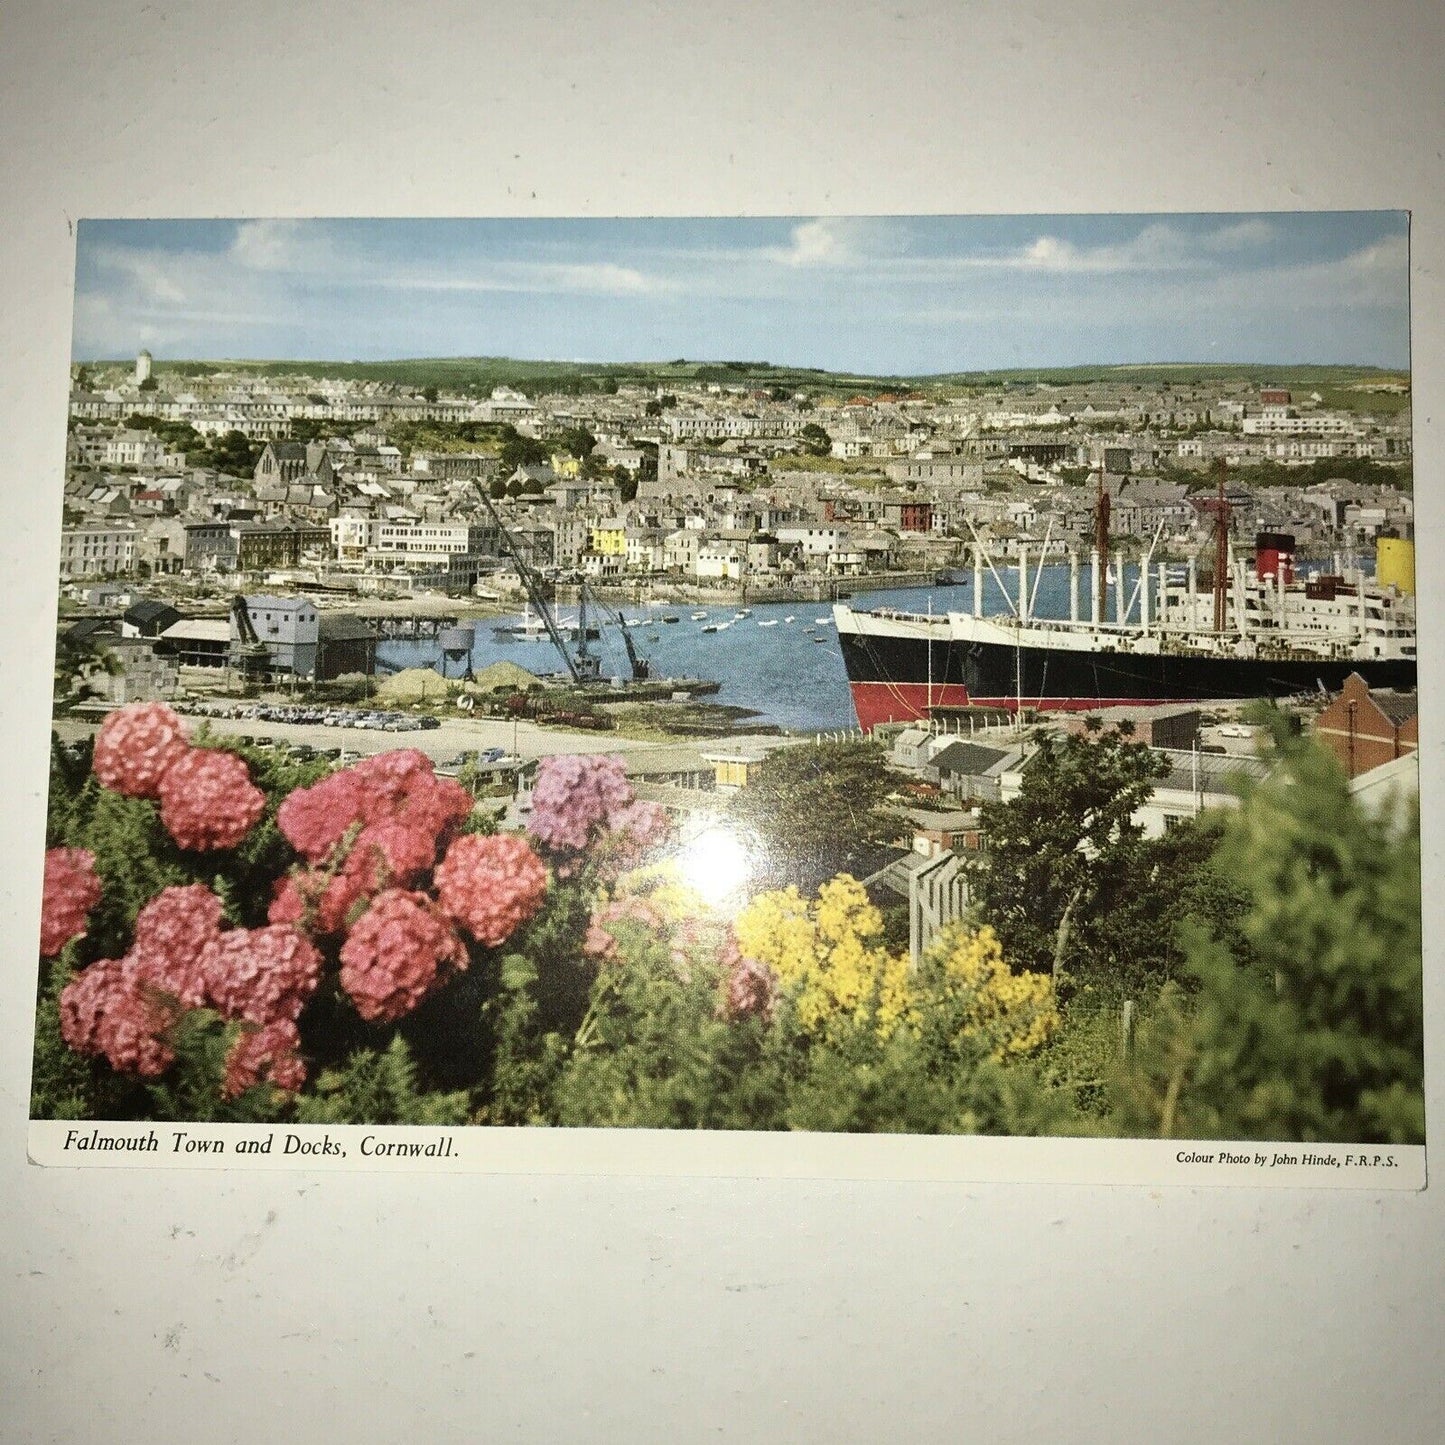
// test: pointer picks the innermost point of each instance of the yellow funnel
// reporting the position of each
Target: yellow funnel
(1395, 563)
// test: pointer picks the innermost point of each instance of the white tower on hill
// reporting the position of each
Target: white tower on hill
(143, 361)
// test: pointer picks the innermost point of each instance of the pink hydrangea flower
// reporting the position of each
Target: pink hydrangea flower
(324, 901)
(634, 832)
(749, 990)
(395, 792)
(260, 974)
(270, 1053)
(106, 1009)
(315, 819)
(137, 746)
(395, 852)
(71, 891)
(171, 934)
(491, 885)
(208, 800)
(398, 951)
(573, 797)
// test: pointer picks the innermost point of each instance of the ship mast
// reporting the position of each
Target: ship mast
(1101, 544)
(1221, 547)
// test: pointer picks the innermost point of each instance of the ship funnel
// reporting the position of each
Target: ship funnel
(1274, 557)
(1395, 563)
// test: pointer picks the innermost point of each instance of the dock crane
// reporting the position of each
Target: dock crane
(252, 657)
(641, 668)
(583, 665)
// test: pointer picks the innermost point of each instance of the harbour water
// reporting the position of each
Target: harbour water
(781, 661)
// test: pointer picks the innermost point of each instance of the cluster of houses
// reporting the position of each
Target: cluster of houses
(707, 486)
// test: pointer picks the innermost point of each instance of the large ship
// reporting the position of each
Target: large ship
(1249, 628)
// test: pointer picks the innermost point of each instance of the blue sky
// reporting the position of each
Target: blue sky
(900, 295)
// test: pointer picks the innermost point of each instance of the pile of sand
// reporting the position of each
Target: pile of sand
(505, 677)
(414, 684)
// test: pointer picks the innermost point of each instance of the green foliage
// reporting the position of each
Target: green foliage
(62, 1082)
(234, 452)
(1316, 1034)
(529, 1057)
(937, 1079)
(816, 442)
(519, 451)
(654, 1054)
(1064, 857)
(577, 441)
(1363, 471)
(815, 807)
(448, 436)
(378, 1086)
(133, 853)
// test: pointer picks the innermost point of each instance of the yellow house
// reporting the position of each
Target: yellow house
(610, 538)
(566, 465)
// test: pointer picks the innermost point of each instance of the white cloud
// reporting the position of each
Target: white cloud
(1241, 236)
(816, 243)
(598, 279)
(283, 245)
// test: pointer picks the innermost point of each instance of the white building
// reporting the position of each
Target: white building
(97, 551)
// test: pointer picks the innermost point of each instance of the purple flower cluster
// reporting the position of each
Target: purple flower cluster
(586, 805)
(574, 798)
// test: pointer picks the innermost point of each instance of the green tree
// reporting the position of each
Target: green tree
(578, 441)
(816, 809)
(816, 442)
(1317, 1033)
(519, 451)
(1065, 850)
(234, 453)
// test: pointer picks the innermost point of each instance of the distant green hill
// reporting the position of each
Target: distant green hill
(479, 374)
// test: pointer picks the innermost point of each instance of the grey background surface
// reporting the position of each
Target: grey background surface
(223, 1306)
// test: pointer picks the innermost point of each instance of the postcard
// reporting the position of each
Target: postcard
(903, 697)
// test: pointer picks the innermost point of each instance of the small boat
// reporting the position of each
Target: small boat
(821, 621)
(818, 639)
(767, 622)
(667, 618)
(746, 612)
(722, 626)
(789, 618)
(711, 627)
(654, 637)
(699, 616)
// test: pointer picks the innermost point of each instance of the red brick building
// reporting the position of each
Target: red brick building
(1364, 729)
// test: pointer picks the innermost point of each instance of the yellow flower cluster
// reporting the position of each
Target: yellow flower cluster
(663, 885)
(829, 959)
(827, 955)
(1016, 1012)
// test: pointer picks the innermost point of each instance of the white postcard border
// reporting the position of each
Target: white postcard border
(474, 1149)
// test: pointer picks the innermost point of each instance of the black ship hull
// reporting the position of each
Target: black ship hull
(905, 678)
